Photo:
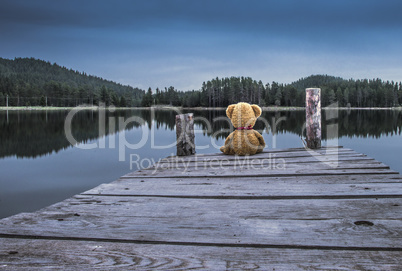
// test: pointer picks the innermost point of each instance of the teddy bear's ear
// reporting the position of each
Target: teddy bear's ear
(257, 110)
(229, 111)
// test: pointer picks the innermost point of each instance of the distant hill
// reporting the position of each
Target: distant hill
(29, 81)
(354, 93)
(316, 81)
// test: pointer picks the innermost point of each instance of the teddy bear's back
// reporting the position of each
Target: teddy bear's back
(245, 142)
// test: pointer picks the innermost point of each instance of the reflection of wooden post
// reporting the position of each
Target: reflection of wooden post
(313, 118)
(185, 134)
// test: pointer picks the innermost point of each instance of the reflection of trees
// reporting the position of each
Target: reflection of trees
(163, 117)
(213, 123)
(369, 123)
(361, 123)
(31, 134)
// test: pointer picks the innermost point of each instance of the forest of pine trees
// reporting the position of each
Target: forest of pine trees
(32, 82)
(225, 91)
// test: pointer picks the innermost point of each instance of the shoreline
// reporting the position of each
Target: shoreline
(264, 108)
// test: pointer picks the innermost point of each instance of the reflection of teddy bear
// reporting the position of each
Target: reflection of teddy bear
(244, 140)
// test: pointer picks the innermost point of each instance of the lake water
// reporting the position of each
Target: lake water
(39, 166)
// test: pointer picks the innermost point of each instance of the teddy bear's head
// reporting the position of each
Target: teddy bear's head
(243, 114)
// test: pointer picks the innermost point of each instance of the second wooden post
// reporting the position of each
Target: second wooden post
(313, 118)
(185, 134)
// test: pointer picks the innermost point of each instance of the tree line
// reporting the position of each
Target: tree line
(221, 92)
(32, 82)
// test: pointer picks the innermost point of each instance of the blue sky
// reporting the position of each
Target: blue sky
(181, 43)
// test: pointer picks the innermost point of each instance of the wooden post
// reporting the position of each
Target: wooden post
(185, 134)
(7, 101)
(313, 118)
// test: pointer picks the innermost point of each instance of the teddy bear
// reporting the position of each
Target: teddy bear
(244, 140)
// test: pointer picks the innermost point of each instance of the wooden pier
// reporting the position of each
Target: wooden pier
(288, 209)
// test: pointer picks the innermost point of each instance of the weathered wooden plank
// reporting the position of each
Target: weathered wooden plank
(304, 159)
(286, 152)
(291, 150)
(245, 187)
(290, 180)
(290, 159)
(17, 254)
(258, 171)
(244, 159)
(308, 223)
(265, 154)
(264, 166)
(296, 153)
(342, 162)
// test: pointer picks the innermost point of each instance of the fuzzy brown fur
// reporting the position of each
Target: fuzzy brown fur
(243, 142)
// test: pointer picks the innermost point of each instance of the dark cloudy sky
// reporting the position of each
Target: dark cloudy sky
(182, 43)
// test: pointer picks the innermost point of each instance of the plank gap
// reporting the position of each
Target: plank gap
(307, 197)
(265, 175)
(198, 244)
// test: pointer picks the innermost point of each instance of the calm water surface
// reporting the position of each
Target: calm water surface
(39, 166)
